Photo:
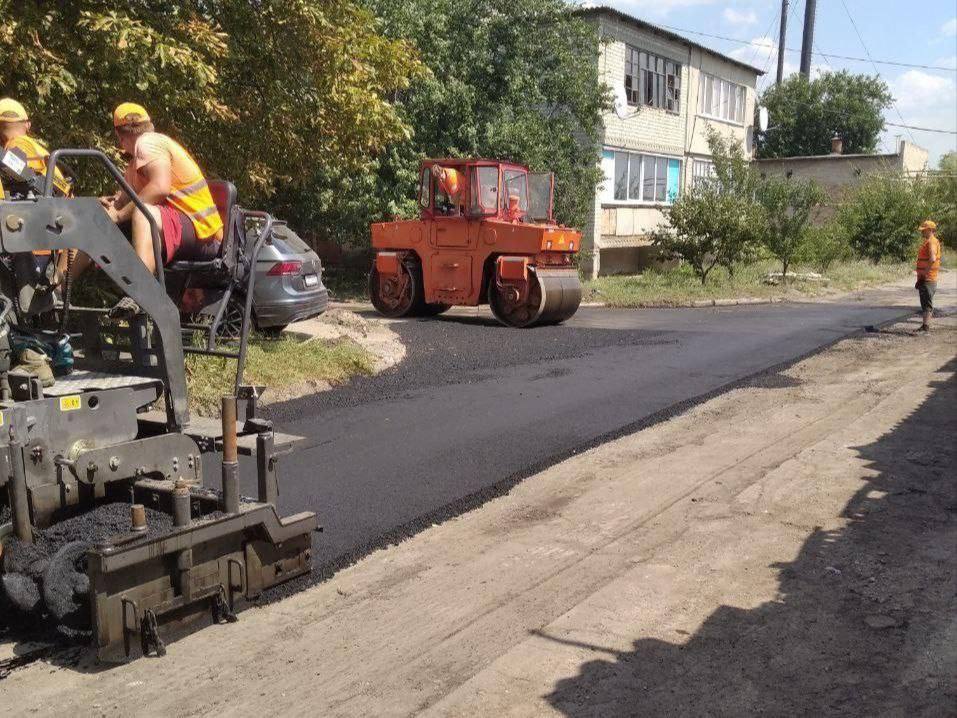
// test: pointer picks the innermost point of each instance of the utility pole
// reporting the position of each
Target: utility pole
(782, 38)
(809, 11)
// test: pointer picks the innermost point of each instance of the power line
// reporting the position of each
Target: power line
(868, 53)
(921, 129)
(791, 49)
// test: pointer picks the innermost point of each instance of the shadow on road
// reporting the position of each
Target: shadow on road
(862, 624)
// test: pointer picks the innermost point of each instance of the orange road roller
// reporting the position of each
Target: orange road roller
(485, 234)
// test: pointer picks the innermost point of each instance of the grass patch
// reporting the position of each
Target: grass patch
(277, 364)
(679, 286)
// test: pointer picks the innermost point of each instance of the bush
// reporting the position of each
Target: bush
(787, 206)
(881, 217)
(709, 227)
(942, 198)
(824, 246)
(716, 223)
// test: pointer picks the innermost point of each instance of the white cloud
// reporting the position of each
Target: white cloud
(924, 100)
(949, 28)
(950, 62)
(740, 17)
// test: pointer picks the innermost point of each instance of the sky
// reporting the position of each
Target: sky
(920, 32)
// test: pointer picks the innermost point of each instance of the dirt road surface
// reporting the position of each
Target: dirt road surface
(783, 549)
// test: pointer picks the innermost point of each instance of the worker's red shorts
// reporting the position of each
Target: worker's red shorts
(179, 238)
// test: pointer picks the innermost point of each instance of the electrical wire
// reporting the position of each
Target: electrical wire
(791, 49)
(868, 53)
(921, 129)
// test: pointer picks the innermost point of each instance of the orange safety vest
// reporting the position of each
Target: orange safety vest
(196, 202)
(36, 156)
(926, 268)
(193, 199)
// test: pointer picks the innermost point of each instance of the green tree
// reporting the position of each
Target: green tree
(268, 94)
(734, 176)
(826, 244)
(717, 223)
(942, 198)
(880, 218)
(805, 115)
(508, 80)
(787, 206)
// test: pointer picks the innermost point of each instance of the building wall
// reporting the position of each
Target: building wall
(624, 227)
(839, 174)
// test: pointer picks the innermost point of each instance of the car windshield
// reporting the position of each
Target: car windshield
(515, 184)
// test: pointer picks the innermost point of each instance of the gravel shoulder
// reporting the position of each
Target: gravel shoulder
(784, 548)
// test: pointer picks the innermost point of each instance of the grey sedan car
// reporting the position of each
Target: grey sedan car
(289, 284)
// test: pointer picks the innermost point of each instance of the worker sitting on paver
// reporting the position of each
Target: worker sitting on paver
(15, 126)
(171, 185)
(15, 137)
(928, 263)
(449, 190)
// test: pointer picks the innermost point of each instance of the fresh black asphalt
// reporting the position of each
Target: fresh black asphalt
(475, 407)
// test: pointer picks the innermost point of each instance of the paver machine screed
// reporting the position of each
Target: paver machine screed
(115, 433)
(485, 234)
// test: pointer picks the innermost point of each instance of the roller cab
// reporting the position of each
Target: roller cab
(485, 234)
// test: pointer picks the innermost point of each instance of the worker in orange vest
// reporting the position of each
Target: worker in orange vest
(172, 186)
(15, 126)
(450, 189)
(15, 137)
(928, 264)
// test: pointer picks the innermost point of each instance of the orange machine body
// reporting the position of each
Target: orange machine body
(497, 227)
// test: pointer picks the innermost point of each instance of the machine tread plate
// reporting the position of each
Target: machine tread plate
(84, 381)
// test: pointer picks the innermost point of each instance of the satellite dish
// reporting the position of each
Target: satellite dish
(620, 103)
(763, 119)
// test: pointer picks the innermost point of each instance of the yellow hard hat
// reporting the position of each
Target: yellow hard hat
(12, 111)
(928, 224)
(129, 113)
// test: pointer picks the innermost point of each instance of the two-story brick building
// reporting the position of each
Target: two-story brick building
(668, 91)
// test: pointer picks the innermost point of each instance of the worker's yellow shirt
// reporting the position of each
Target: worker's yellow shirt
(189, 193)
(926, 268)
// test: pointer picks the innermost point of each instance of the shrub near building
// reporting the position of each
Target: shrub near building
(880, 218)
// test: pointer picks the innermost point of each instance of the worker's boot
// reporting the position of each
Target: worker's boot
(36, 364)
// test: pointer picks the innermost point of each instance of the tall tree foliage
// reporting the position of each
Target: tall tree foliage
(805, 115)
(511, 80)
(268, 93)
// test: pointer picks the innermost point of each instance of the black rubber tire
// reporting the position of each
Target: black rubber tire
(66, 586)
(415, 303)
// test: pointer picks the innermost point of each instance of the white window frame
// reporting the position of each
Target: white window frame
(722, 100)
(608, 189)
(702, 170)
(644, 64)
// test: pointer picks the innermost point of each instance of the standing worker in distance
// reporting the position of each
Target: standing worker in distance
(928, 264)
